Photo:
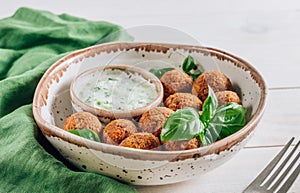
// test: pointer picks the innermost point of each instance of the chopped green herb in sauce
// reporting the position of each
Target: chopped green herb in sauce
(118, 90)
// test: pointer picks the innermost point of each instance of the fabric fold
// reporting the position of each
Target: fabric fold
(30, 42)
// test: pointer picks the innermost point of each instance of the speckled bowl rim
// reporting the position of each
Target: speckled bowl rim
(215, 148)
(111, 114)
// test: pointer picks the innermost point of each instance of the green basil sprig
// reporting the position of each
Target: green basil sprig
(190, 68)
(215, 122)
(86, 133)
(228, 119)
(182, 125)
(159, 72)
(209, 107)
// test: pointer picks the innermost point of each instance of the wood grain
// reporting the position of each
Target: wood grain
(280, 121)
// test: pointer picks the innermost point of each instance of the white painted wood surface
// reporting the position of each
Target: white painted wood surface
(265, 33)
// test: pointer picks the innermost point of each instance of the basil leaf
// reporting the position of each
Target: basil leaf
(195, 74)
(228, 119)
(210, 135)
(206, 137)
(184, 124)
(86, 133)
(160, 72)
(209, 107)
(190, 68)
(188, 64)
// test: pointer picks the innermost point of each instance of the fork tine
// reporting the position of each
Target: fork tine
(262, 176)
(275, 174)
(288, 183)
(285, 173)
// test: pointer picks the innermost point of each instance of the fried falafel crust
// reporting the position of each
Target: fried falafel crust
(225, 97)
(81, 120)
(176, 81)
(182, 100)
(153, 120)
(118, 130)
(182, 145)
(141, 141)
(217, 80)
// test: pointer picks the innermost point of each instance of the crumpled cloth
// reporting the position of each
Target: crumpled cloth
(30, 41)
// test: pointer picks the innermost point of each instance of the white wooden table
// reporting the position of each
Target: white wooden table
(266, 33)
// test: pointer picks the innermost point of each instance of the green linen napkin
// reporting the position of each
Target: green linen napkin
(30, 41)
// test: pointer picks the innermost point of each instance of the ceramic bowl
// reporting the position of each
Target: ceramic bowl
(89, 81)
(51, 106)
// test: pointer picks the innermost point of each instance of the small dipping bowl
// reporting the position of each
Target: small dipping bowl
(115, 91)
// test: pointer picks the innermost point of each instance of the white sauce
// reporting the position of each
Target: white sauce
(118, 90)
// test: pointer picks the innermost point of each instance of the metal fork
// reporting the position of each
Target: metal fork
(262, 184)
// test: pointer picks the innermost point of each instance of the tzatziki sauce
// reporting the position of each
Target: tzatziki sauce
(115, 89)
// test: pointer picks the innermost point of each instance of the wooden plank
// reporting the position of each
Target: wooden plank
(281, 119)
(232, 177)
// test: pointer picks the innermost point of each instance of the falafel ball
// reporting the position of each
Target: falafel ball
(153, 120)
(182, 145)
(227, 96)
(141, 141)
(182, 100)
(117, 130)
(217, 80)
(176, 81)
(81, 120)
